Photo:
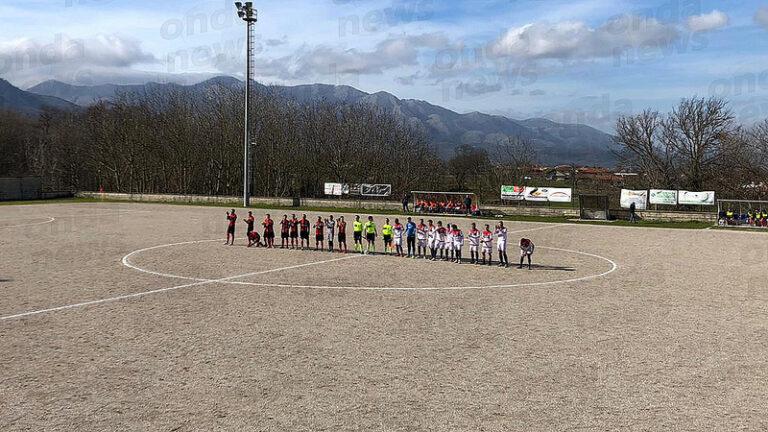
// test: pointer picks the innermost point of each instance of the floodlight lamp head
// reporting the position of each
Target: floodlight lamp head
(240, 14)
(239, 5)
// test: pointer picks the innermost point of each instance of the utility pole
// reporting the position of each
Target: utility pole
(247, 13)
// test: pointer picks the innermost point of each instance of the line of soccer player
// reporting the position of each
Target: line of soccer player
(435, 242)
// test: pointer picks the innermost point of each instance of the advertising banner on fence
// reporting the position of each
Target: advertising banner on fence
(333, 189)
(513, 193)
(559, 195)
(639, 197)
(696, 198)
(536, 194)
(376, 190)
(663, 197)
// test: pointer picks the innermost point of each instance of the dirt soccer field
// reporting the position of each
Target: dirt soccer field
(137, 317)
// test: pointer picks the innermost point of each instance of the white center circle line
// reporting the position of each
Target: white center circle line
(126, 261)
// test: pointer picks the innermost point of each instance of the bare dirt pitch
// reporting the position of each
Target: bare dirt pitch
(137, 317)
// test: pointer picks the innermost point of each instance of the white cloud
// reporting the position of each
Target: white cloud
(577, 40)
(26, 54)
(707, 22)
(388, 54)
(761, 17)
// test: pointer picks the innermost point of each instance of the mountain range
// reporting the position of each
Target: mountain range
(555, 143)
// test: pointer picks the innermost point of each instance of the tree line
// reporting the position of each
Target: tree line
(698, 145)
(185, 142)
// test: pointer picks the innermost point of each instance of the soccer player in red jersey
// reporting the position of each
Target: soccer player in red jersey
(294, 232)
(269, 231)
(342, 224)
(319, 228)
(254, 239)
(231, 219)
(304, 225)
(285, 227)
(250, 221)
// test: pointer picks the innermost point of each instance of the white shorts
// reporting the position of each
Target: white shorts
(487, 250)
(440, 245)
(329, 236)
(458, 245)
(448, 245)
(422, 242)
(398, 241)
(501, 246)
(472, 248)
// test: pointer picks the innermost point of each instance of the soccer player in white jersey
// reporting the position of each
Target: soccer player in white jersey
(432, 239)
(330, 229)
(448, 242)
(474, 244)
(487, 240)
(440, 239)
(421, 239)
(526, 250)
(501, 244)
(458, 243)
(397, 236)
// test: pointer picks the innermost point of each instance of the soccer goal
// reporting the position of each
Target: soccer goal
(742, 213)
(594, 207)
(445, 202)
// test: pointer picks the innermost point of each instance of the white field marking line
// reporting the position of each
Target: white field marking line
(126, 259)
(50, 220)
(174, 288)
(127, 262)
(614, 267)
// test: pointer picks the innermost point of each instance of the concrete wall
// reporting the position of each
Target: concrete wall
(537, 211)
(255, 201)
(670, 216)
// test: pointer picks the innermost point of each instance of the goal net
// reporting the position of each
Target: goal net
(593, 207)
(445, 202)
(742, 213)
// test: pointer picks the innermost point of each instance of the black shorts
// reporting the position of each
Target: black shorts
(284, 235)
(342, 237)
(269, 235)
(357, 235)
(319, 237)
(230, 230)
(370, 236)
(387, 238)
(294, 234)
(305, 235)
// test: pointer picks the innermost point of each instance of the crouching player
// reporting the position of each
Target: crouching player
(526, 250)
(254, 239)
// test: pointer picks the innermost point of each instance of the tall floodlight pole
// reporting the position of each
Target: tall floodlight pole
(247, 13)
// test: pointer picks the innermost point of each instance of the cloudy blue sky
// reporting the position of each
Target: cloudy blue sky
(577, 61)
